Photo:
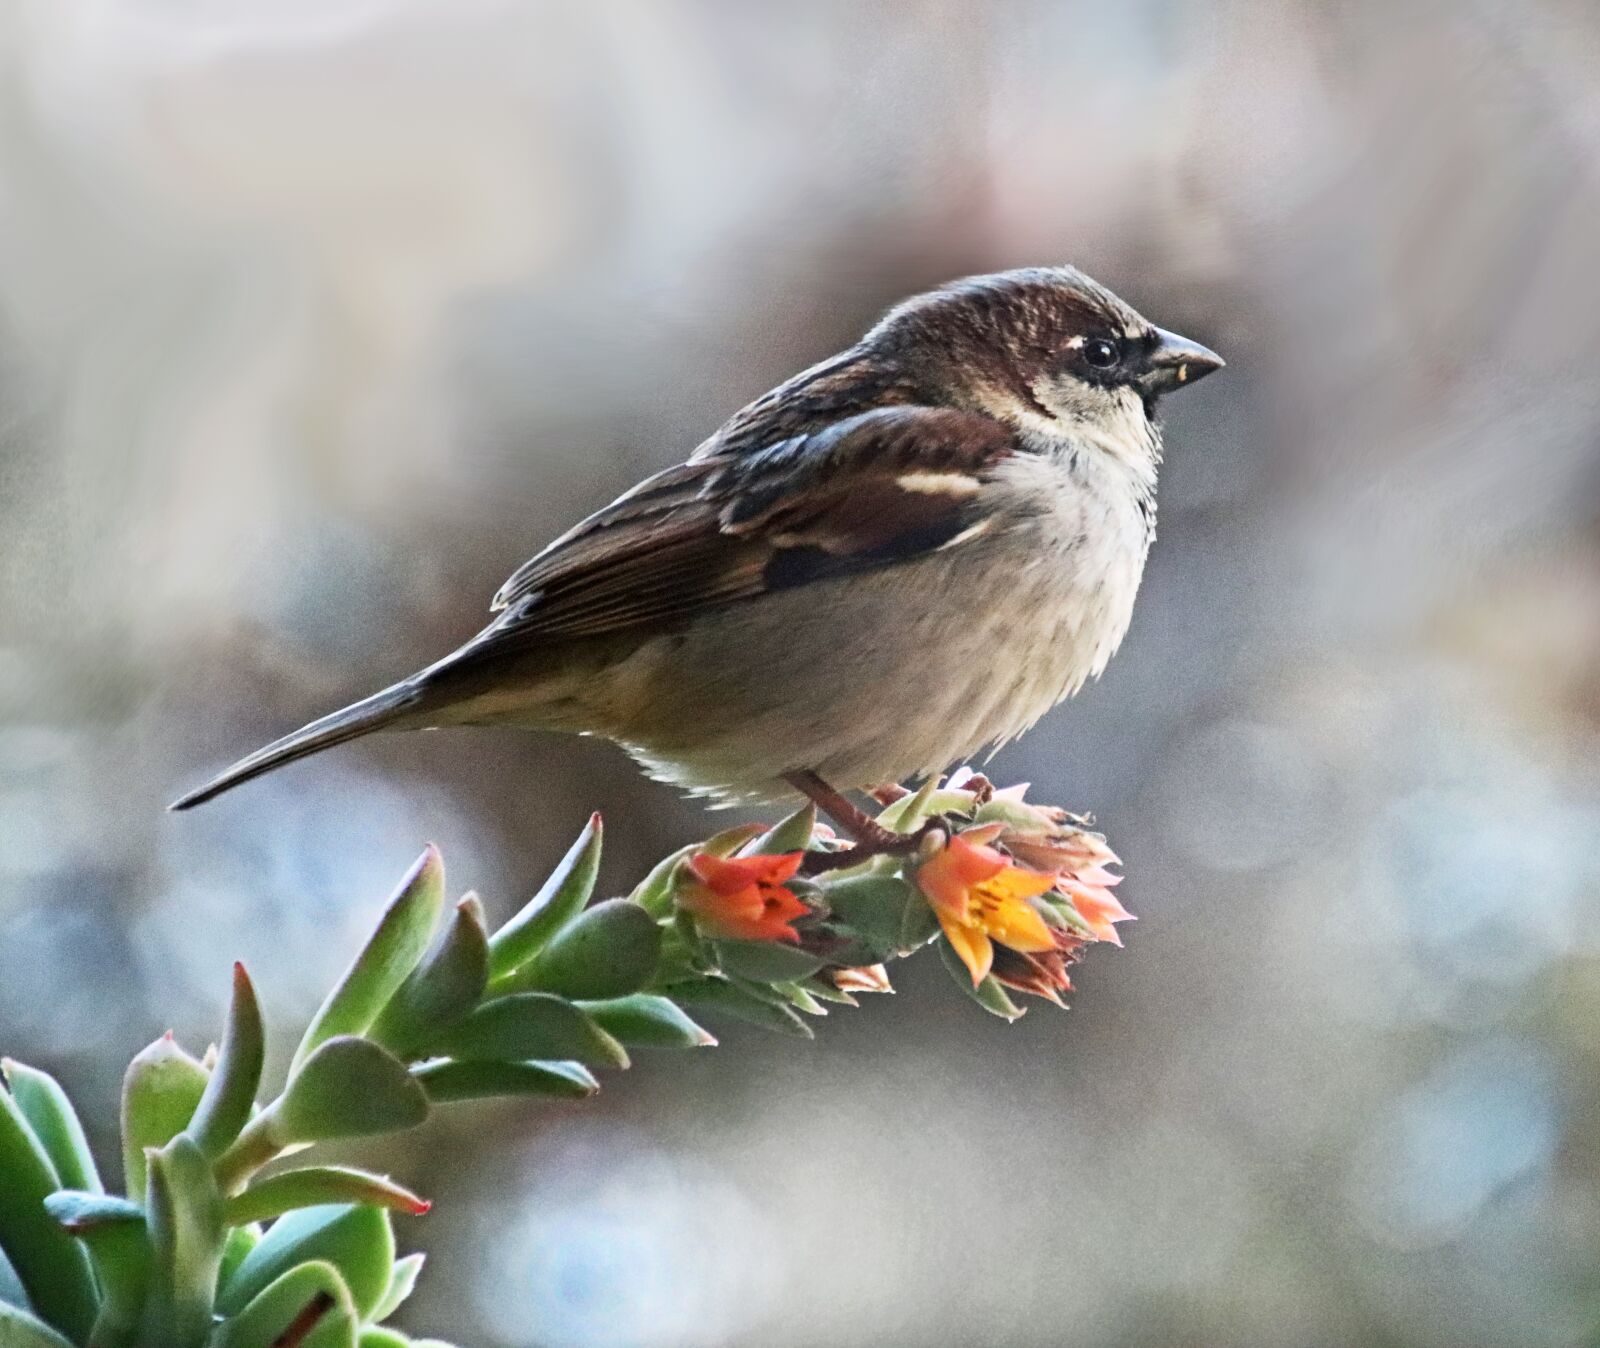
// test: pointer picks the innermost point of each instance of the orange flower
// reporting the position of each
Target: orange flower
(979, 898)
(1093, 901)
(744, 898)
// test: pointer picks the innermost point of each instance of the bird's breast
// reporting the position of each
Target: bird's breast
(1082, 526)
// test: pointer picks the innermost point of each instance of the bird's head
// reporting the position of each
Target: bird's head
(1047, 350)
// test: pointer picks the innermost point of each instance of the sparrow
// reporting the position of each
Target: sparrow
(901, 556)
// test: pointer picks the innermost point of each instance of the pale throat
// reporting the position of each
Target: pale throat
(1066, 420)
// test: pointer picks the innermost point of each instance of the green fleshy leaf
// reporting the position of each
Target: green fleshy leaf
(54, 1122)
(160, 1091)
(11, 1289)
(793, 834)
(683, 949)
(989, 994)
(356, 1240)
(530, 1025)
(824, 991)
(348, 1087)
(18, 1329)
(113, 1231)
(238, 1243)
(183, 1218)
(648, 1021)
(655, 892)
(609, 950)
(51, 1266)
(767, 961)
(762, 992)
(559, 900)
(801, 1000)
(880, 909)
(1004, 810)
(908, 812)
(719, 995)
(230, 1095)
(918, 924)
(81, 1212)
(443, 988)
(318, 1186)
(482, 1080)
(311, 1291)
(393, 951)
(402, 1282)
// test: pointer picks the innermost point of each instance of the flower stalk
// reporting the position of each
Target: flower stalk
(765, 925)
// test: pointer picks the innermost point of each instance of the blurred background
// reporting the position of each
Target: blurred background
(318, 316)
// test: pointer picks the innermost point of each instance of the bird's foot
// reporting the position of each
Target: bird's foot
(869, 837)
(879, 842)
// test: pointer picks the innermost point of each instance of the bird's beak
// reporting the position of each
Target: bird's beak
(1176, 363)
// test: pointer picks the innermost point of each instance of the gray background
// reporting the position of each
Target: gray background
(317, 318)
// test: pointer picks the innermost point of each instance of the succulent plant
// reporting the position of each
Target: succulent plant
(217, 1244)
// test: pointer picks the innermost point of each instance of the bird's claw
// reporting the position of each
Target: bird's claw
(878, 842)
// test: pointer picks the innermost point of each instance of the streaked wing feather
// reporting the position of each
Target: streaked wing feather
(725, 528)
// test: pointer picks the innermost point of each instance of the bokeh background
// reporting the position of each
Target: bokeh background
(318, 316)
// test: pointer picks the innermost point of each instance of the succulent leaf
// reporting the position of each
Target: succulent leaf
(311, 1297)
(792, 834)
(54, 1122)
(348, 1087)
(160, 1091)
(230, 1094)
(645, 1020)
(356, 1240)
(483, 1080)
(609, 950)
(719, 995)
(183, 1218)
(443, 988)
(909, 811)
(393, 951)
(560, 899)
(18, 1329)
(51, 1266)
(531, 1025)
(315, 1186)
(767, 961)
(881, 909)
(402, 1281)
(238, 1243)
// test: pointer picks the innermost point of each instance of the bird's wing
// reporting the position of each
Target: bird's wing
(868, 491)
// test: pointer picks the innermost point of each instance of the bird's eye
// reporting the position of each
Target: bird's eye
(1101, 352)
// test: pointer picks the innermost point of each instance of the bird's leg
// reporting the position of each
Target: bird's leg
(852, 820)
(886, 793)
(869, 836)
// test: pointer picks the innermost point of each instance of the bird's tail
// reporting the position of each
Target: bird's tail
(360, 718)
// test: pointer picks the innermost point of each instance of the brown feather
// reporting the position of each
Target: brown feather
(732, 526)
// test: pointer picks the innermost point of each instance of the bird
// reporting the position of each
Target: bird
(900, 557)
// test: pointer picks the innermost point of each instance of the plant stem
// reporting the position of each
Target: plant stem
(251, 1150)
